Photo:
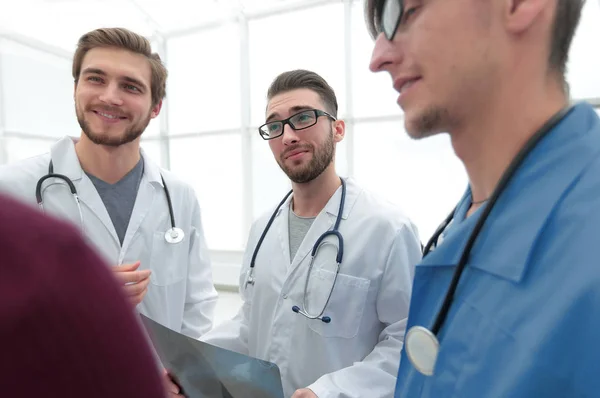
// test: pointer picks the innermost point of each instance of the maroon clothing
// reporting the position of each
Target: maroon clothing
(66, 329)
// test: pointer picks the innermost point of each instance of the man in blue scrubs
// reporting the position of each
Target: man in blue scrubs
(524, 320)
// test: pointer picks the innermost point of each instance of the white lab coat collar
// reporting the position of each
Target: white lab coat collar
(333, 205)
(151, 170)
(65, 161)
(322, 223)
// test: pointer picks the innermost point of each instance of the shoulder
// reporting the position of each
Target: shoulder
(20, 178)
(372, 209)
(24, 227)
(262, 220)
(25, 167)
(176, 185)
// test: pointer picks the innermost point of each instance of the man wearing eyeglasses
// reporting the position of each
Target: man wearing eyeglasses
(332, 333)
(508, 305)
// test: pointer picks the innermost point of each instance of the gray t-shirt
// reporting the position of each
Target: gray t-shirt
(298, 227)
(119, 198)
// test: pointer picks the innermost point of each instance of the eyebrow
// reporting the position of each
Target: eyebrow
(293, 110)
(97, 71)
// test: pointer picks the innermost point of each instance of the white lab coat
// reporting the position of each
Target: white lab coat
(181, 294)
(357, 354)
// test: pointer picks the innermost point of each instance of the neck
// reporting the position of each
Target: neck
(110, 164)
(491, 139)
(311, 197)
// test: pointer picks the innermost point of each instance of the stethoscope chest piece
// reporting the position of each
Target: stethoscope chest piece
(174, 235)
(422, 349)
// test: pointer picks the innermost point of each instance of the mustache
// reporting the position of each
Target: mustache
(296, 148)
(108, 109)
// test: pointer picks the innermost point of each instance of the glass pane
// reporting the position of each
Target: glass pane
(269, 182)
(283, 42)
(341, 158)
(261, 6)
(153, 128)
(181, 14)
(37, 89)
(24, 148)
(423, 177)
(583, 64)
(61, 23)
(373, 93)
(213, 166)
(152, 150)
(203, 88)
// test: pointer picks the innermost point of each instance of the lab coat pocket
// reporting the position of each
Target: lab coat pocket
(345, 306)
(168, 261)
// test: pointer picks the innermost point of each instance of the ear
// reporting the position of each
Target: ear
(156, 110)
(521, 14)
(339, 130)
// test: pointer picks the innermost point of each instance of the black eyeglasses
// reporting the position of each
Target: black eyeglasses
(299, 121)
(390, 17)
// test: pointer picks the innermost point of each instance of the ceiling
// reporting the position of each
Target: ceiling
(58, 23)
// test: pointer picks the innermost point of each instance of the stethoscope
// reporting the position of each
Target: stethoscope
(421, 344)
(320, 242)
(172, 235)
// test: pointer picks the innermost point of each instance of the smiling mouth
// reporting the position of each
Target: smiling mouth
(109, 116)
(407, 85)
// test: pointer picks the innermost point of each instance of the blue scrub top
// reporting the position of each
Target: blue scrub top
(525, 320)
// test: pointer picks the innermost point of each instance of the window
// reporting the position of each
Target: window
(283, 42)
(269, 182)
(372, 93)
(204, 81)
(152, 150)
(212, 165)
(423, 177)
(583, 65)
(37, 92)
(24, 148)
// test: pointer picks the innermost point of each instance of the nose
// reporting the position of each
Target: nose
(111, 95)
(289, 135)
(385, 53)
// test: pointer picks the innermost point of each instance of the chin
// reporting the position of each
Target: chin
(424, 123)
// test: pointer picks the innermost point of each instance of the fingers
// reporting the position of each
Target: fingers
(136, 292)
(133, 276)
(135, 283)
(136, 288)
(128, 273)
(127, 267)
(172, 388)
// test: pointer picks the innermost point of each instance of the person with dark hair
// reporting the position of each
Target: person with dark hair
(327, 273)
(506, 301)
(66, 328)
(142, 219)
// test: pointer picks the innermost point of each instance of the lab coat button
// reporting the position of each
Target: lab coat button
(285, 296)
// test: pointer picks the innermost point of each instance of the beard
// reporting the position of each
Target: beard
(99, 138)
(321, 159)
(431, 121)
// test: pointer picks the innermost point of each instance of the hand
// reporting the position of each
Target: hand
(304, 393)
(134, 282)
(172, 388)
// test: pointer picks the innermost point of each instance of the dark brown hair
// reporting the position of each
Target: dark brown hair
(301, 78)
